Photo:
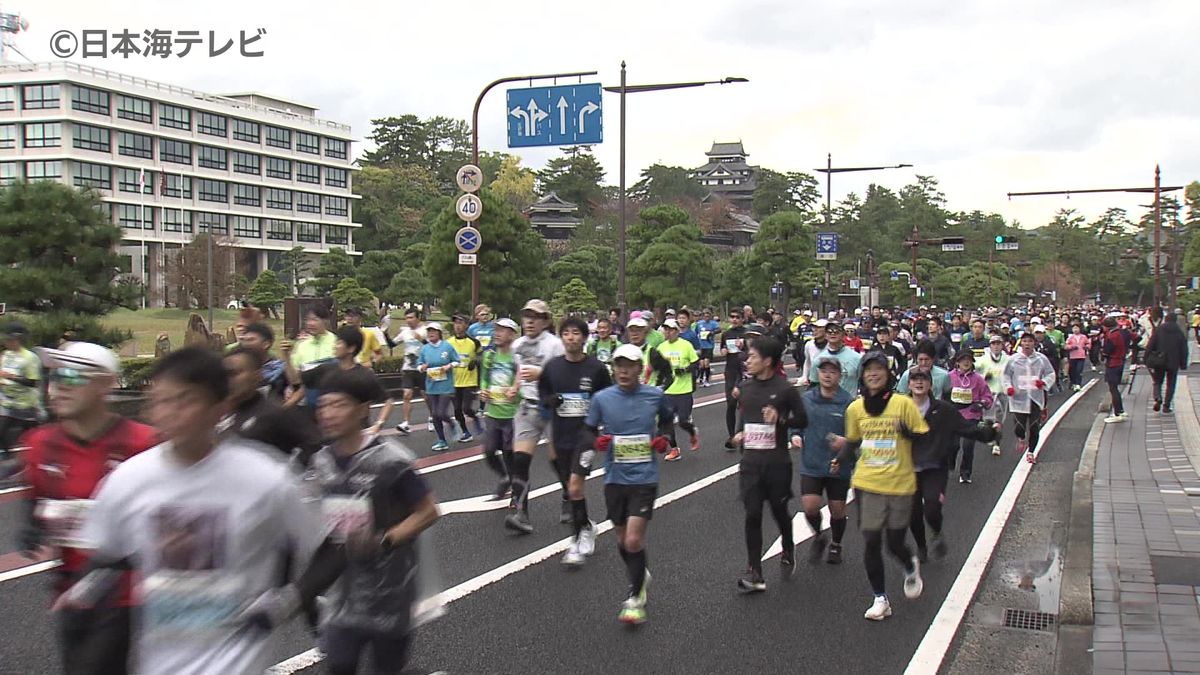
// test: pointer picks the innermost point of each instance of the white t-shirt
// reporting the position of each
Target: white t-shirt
(205, 540)
(412, 339)
(534, 353)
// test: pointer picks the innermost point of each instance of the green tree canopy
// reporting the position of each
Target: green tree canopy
(267, 291)
(673, 270)
(661, 184)
(783, 247)
(293, 267)
(349, 294)
(576, 177)
(394, 201)
(777, 192)
(594, 265)
(573, 297)
(376, 269)
(332, 268)
(439, 145)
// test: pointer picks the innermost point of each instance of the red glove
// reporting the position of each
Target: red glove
(1011, 391)
(1039, 384)
(603, 442)
(1045, 414)
(660, 444)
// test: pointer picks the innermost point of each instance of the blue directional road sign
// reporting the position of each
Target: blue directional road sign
(468, 240)
(827, 245)
(565, 115)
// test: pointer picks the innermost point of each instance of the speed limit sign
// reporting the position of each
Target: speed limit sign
(469, 208)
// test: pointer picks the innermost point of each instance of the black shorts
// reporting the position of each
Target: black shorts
(583, 460)
(412, 379)
(835, 489)
(761, 482)
(628, 501)
(706, 353)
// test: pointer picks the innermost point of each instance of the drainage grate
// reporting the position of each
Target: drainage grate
(1027, 620)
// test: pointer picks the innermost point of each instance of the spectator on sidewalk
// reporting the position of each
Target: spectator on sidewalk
(1168, 341)
(1113, 351)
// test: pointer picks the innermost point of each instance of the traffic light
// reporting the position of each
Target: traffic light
(999, 239)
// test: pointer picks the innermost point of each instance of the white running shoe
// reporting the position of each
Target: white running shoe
(879, 610)
(913, 584)
(587, 539)
(995, 449)
(1112, 419)
(573, 558)
(429, 426)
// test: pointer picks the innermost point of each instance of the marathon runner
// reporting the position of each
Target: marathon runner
(1114, 350)
(64, 463)
(260, 418)
(825, 406)
(499, 387)
(484, 327)
(1026, 378)
(924, 356)
(881, 426)
(991, 366)
(438, 360)
(411, 337)
(707, 329)
(635, 418)
(682, 357)
(970, 395)
(848, 357)
(604, 344)
(466, 378)
(977, 342)
(566, 386)
(20, 400)
(768, 407)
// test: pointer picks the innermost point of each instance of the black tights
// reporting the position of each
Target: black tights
(927, 503)
(873, 554)
(754, 536)
(1029, 425)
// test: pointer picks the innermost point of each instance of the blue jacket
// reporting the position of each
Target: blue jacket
(825, 416)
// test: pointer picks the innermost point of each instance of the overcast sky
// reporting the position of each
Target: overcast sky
(987, 96)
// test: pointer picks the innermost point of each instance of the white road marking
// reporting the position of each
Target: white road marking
(799, 522)
(297, 663)
(486, 503)
(11, 490)
(28, 570)
(932, 650)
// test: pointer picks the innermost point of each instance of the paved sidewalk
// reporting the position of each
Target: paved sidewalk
(1146, 536)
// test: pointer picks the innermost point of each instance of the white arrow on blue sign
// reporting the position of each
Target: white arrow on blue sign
(827, 245)
(565, 115)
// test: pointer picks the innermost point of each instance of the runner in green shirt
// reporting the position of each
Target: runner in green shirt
(20, 376)
(604, 344)
(498, 386)
(683, 358)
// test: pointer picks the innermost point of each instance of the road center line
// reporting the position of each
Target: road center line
(932, 650)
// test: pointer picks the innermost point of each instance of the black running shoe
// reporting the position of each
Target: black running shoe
(519, 522)
(834, 557)
(752, 583)
(815, 549)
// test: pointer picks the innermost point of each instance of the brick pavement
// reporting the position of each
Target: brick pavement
(1146, 537)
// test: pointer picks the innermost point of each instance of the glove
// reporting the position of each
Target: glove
(660, 444)
(1039, 384)
(1045, 414)
(271, 609)
(1011, 391)
(603, 443)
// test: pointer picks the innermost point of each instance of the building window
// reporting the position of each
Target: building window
(43, 135)
(309, 232)
(246, 226)
(88, 137)
(310, 143)
(279, 168)
(246, 195)
(177, 152)
(179, 187)
(211, 158)
(308, 202)
(8, 98)
(212, 124)
(308, 173)
(174, 117)
(337, 234)
(212, 222)
(337, 206)
(89, 100)
(335, 148)
(130, 217)
(135, 145)
(176, 220)
(244, 130)
(279, 138)
(133, 108)
(279, 230)
(335, 177)
(280, 200)
(247, 162)
(44, 170)
(88, 175)
(9, 172)
(40, 96)
(127, 181)
(212, 190)
(8, 136)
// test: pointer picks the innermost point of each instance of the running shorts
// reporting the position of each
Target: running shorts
(629, 501)
(877, 511)
(412, 379)
(835, 489)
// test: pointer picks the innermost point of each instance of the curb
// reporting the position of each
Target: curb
(1075, 597)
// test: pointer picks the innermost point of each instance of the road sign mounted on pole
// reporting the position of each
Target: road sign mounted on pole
(827, 246)
(466, 259)
(468, 240)
(950, 244)
(469, 208)
(469, 178)
(565, 115)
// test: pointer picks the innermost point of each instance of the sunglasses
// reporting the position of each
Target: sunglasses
(70, 377)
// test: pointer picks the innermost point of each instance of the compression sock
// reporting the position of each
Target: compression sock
(838, 527)
(635, 564)
(814, 521)
(579, 515)
(520, 479)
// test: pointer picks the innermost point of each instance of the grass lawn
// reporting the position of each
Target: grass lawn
(146, 324)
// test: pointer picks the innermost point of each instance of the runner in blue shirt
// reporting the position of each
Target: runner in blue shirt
(437, 359)
(484, 327)
(636, 418)
(706, 329)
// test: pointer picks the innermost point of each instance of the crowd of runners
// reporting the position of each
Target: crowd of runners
(268, 483)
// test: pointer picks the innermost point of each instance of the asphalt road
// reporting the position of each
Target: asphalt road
(542, 618)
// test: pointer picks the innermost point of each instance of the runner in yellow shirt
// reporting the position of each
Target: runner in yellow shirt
(372, 349)
(466, 378)
(683, 358)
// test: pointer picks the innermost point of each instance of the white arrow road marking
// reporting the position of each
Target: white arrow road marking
(519, 114)
(562, 114)
(800, 523)
(589, 108)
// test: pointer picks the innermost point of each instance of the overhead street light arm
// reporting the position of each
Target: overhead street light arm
(847, 169)
(1080, 192)
(638, 88)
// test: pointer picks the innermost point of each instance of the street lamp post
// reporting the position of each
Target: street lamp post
(829, 170)
(623, 89)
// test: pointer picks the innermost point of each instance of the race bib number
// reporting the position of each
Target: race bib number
(879, 452)
(704, 335)
(675, 358)
(759, 437)
(436, 374)
(499, 394)
(484, 340)
(732, 346)
(867, 343)
(344, 515)
(962, 395)
(631, 449)
(62, 519)
(190, 606)
(955, 337)
(574, 405)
